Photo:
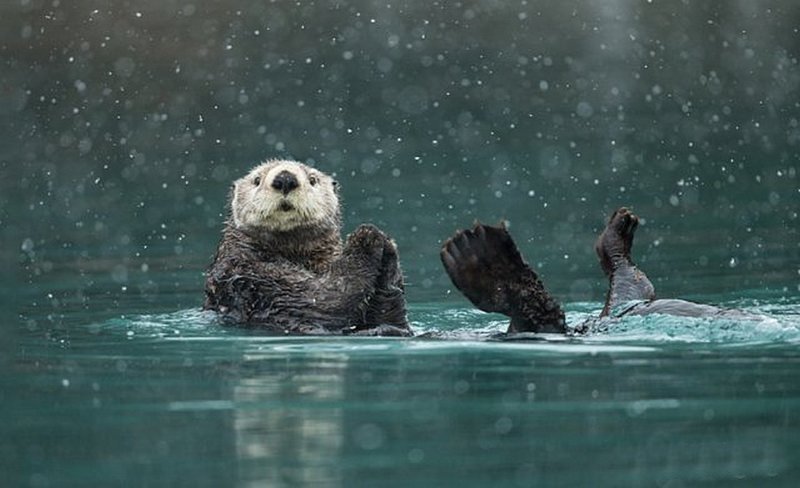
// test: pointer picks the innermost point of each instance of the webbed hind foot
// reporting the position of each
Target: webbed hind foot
(626, 282)
(614, 245)
(485, 264)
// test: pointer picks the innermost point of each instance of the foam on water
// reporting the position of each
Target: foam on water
(774, 322)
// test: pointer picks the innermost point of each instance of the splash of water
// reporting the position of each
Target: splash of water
(774, 322)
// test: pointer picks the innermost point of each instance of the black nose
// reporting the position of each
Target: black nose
(285, 182)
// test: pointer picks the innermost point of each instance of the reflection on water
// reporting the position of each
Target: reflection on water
(515, 412)
(289, 424)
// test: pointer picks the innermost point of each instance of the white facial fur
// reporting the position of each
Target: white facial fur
(257, 205)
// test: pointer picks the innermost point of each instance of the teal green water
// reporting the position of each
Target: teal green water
(125, 123)
(174, 398)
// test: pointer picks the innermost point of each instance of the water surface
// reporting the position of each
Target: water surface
(177, 398)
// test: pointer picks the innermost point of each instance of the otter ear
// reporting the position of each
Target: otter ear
(335, 184)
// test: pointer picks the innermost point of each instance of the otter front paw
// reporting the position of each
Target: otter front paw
(367, 235)
(387, 306)
(390, 276)
(367, 240)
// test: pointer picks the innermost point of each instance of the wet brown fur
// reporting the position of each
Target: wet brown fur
(301, 278)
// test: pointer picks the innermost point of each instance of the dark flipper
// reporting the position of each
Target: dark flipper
(485, 264)
(613, 247)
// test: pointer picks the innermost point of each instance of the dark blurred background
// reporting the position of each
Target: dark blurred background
(124, 123)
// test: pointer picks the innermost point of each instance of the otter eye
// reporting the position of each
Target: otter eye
(257, 181)
(312, 179)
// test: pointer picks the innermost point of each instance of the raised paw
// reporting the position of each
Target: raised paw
(614, 244)
(486, 265)
(367, 239)
(387, 305)
(480, 262)
(624, 223)
(391, 274)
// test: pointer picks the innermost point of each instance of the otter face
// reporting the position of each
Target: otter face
(282, 195)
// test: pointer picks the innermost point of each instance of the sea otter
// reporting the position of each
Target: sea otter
(281, 263)
(486, 265)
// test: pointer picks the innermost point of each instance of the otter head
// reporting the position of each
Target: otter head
(279, 196)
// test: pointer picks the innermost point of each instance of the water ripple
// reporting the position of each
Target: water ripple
(776, 322)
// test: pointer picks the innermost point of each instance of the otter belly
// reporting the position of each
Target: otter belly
(682, 308)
